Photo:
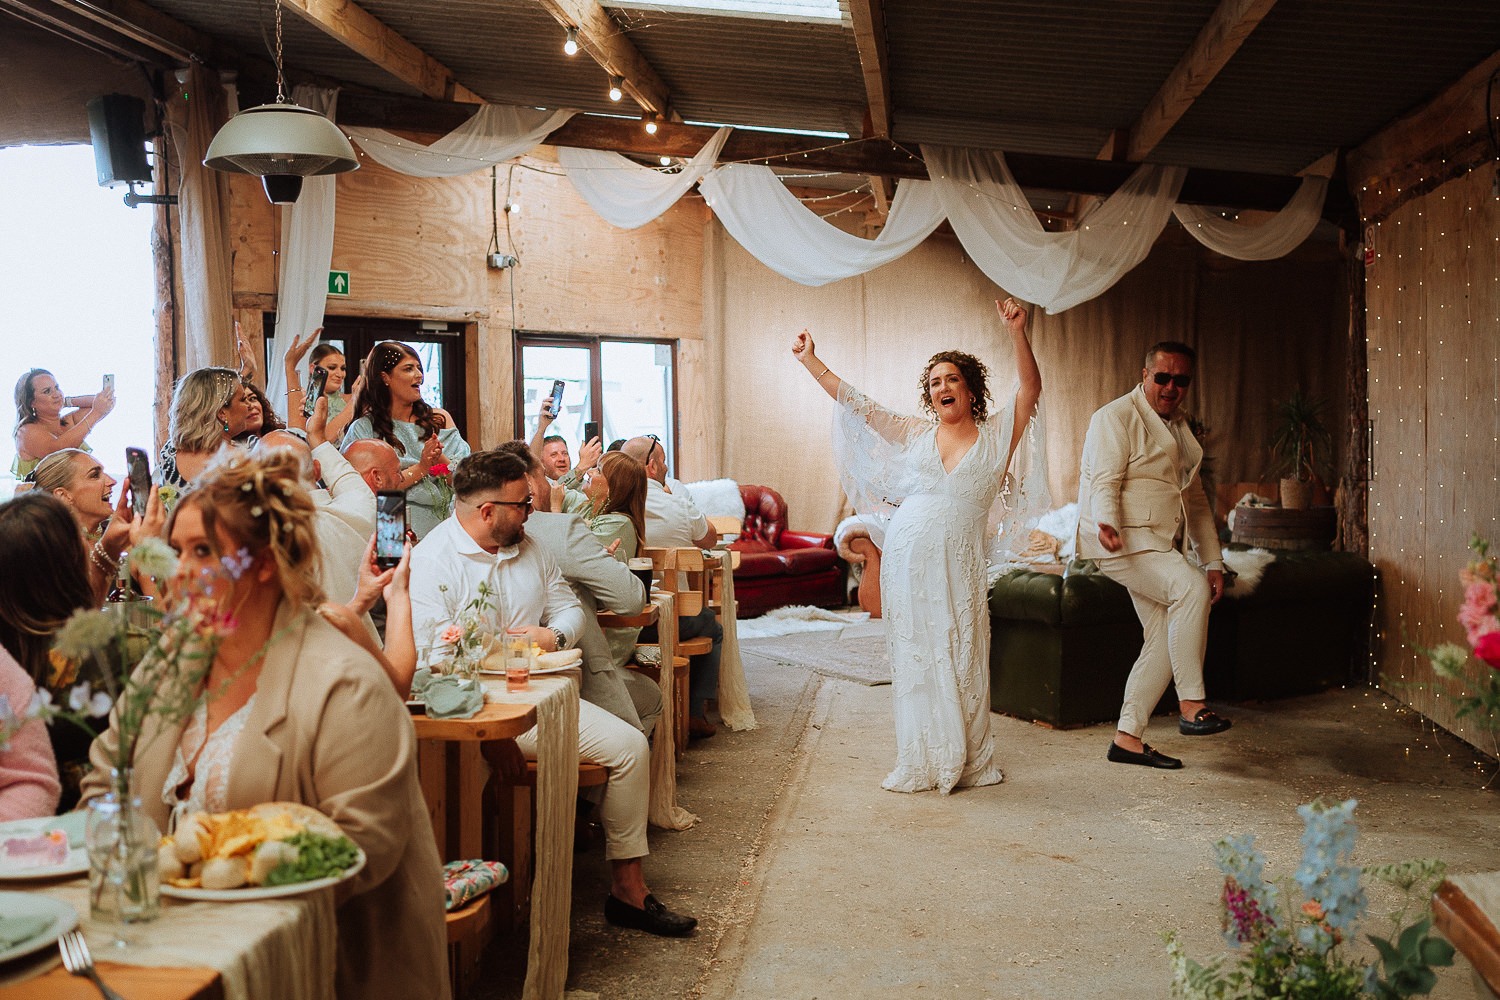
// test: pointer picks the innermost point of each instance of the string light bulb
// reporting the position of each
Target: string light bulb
(666, 161)
(651, 125)
(571, 45)
(616, 85)
(513, 207)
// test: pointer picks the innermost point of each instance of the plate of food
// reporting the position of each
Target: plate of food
(543, 663)
(50, 847)
(30, 922)
(270, 850)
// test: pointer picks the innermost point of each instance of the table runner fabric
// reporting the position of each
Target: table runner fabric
(556, 701)
(734, 696)
(663, 810)
(283, 947)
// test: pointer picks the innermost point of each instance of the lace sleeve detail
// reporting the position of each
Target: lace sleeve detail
(873, 446)
(1024, 494)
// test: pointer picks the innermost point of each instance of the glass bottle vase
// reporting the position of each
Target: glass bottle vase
(122, 840)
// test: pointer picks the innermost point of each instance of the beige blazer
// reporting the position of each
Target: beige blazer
(328, 730)
(1137, 479)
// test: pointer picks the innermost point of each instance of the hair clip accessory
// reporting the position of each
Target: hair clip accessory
(257, 511)
(245, 487)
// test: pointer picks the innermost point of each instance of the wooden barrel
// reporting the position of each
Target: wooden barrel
(1276, 528)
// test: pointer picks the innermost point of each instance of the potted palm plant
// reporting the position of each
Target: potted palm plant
(1299, 447)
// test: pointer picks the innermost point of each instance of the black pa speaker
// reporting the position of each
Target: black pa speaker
(117, 130)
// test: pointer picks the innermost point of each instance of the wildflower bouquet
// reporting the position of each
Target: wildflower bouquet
(467, 634)
(1480, 617)
(1297, 953)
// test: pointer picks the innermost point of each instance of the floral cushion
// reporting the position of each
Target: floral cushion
(466, 881)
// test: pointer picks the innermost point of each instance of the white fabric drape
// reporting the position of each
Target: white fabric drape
(627, 194)
(496, 133)
(1267, 240)
(306, 253)
(996, 225)
(792, 240)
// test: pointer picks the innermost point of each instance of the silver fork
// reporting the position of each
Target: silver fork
(78, 961)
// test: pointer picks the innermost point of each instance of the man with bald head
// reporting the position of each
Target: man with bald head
(673, 521)
(376, 462)
(346, 506)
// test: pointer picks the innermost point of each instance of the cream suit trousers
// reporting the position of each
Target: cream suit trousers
(614, 744)
(1171, 598)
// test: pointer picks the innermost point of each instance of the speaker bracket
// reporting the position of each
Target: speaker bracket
(132, 199)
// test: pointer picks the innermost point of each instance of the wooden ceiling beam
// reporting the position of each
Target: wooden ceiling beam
(1222, 35)
(606, 44)
(880, 157)
(868, 19)
(364, 33)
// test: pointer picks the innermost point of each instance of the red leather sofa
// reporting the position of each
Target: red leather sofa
(780, 567)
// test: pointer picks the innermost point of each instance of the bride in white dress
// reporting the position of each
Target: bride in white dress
(936, 483)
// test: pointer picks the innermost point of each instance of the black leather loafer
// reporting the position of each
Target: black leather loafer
(1151, 758)
(653, 918)
(1205, 723)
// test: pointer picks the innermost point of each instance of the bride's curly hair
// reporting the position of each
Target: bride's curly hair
(262, 505)
(375, 399)
(976, 376)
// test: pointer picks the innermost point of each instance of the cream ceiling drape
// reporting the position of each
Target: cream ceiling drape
(494, 134)
(627, 194)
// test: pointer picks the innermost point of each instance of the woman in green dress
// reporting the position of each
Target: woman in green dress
(329, 358)
(622, 518)
(391, 408)
(41, 425)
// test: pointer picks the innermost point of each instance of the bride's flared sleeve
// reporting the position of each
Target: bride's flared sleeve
(872, 446)
(1024, 496)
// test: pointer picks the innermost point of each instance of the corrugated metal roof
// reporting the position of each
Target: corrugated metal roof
(1044, 76)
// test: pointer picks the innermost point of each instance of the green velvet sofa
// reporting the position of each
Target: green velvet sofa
(1061, 646)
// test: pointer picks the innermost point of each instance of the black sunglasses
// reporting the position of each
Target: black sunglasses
(652, 450)
(527, 503)
(1180, 381)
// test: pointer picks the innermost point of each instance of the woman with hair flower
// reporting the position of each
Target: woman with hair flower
(294, 711)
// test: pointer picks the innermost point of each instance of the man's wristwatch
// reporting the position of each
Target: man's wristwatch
(559, 638)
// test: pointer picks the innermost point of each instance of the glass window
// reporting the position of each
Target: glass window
(638, 392)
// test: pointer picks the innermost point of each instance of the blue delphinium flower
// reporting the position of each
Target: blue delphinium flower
(1324, 874)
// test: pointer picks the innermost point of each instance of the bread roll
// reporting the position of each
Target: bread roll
(169, 866)
(187, 842)
(267, 856)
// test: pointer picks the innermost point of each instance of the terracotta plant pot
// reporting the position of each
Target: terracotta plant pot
(1296, 494)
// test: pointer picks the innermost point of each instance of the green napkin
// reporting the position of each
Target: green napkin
(419, 682)
(15, 930)
(450, 698)
(72, 824)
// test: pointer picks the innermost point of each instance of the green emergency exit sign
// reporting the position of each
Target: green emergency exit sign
(338, 282)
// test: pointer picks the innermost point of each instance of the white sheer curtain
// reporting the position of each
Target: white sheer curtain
(792, 240)
(627, 194)
(1266, 240)
(306, 252)
(496, 133)
(998, 228)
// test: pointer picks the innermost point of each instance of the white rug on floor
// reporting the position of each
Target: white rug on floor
(797, 618)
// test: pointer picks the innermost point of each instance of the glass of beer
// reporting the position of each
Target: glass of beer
(641, 567)
(518, 660)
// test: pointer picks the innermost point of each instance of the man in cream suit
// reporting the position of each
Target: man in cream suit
(1139, 499)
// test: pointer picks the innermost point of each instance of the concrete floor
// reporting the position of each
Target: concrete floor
(810, 881)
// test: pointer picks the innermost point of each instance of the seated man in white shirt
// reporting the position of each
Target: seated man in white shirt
(673, 521)
(376, 462)
(485, 541)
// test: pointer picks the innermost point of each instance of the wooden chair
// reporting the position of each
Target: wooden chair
(726, 525)
(469, 930)
(513, 808)
(684, 573)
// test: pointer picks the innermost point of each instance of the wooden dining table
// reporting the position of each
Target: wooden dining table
(135, 982)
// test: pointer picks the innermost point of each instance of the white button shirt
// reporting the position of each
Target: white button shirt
(673, 521)
(528, 588)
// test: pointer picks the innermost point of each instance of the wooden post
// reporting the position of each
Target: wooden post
(163, 266)
(1354, 484)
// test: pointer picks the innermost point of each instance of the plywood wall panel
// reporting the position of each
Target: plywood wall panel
(1434, 336)
(255, 234)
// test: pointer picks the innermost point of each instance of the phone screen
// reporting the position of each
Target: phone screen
(590, 431)
(314, 390)
(390, 527)
(138, 467)
(558, 385)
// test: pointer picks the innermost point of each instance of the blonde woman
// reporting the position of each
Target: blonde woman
(209, 408)
(108, 529)
(303, 715)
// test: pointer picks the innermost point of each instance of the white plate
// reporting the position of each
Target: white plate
(27, 904)
(539, 671)
(76, 864)
(262, 891)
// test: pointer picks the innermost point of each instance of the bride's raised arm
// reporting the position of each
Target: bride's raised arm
(803, 351)
(1030, 389)
(891, 426)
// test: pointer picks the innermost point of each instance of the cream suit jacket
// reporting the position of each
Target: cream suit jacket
(1135, 478)
(328, 730)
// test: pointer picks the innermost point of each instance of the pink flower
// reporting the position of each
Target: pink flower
(1477, 615)
(1488, 648)
(451, 634)
(441, 469)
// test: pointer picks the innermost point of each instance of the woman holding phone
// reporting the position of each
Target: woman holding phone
(107, 529)
(41, 425)
(330, 360)
(391, 408)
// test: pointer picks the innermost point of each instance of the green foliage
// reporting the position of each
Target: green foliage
(1300, 443)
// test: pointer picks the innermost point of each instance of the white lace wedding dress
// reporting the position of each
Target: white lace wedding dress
(933, 588)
